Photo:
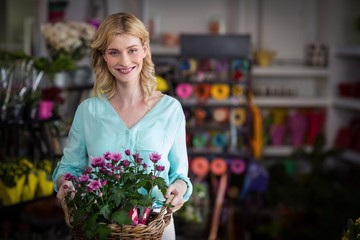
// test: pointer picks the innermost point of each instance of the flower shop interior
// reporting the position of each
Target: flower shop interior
(270, 92)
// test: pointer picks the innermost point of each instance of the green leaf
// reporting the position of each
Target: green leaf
(90, 226)
(117, 195)
(79, 215)
(103, 231)
(105, 211)
(121, 217)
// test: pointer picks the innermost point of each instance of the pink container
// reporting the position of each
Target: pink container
(45, 109)
(277, 134)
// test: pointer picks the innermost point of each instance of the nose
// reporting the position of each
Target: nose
(124, 60)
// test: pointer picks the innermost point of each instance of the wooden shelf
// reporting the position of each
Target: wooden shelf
(347, 103)
(290, 71)
(281, 151)
(348, 51)
(291, 102)
(158, 49)
(238, 102)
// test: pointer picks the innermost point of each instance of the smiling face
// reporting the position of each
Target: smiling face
(124, 57)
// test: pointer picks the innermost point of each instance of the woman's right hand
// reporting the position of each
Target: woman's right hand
(64, 187)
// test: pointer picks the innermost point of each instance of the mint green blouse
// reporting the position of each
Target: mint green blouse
(97, 129)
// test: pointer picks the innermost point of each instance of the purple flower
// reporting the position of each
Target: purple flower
(97, 162)
(117, 176)
(155, 157)
(68, 176)
(160, 168)
(103, 182)
(145, 165)
(107, 155)
(125, 163)
(139, 160)
(110, 173)
(116, 157)
(88, 170)
(94, 185)
(84, 178)
(128, 152)
(135, 156)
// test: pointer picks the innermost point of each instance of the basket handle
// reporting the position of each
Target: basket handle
(66, 212)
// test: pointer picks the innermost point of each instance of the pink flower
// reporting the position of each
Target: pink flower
(134, 216)
(153, 176)
(125, 163)
(100, 194)
(160, 168)
(107, 155)
(144, 165)
(103, 182)
(117, 176)
(68, 176)
(145, 216)
(94, 185)
(88, 170)
(116, 157)
(97, 162)
(110, 173)
(84, 178)
(155, 157)
(128, 152)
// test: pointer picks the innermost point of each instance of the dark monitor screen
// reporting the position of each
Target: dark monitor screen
(215, 46)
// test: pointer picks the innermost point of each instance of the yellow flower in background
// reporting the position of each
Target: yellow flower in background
(162, 85)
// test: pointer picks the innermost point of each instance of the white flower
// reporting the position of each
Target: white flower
(70, 38)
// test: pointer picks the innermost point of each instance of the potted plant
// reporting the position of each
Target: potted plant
(114, 197)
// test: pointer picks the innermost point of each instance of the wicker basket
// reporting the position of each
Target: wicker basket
(152, 231)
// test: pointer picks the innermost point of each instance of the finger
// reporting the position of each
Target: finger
(169, 191)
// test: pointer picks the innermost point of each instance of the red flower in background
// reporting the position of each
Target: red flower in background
(52, 94)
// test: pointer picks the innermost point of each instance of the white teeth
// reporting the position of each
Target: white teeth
(125, 70)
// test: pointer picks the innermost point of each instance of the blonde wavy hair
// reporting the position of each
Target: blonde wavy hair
(113, 25)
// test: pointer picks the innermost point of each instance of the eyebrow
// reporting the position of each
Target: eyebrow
(135, 45)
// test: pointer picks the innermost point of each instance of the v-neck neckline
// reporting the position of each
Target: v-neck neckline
(140, 120)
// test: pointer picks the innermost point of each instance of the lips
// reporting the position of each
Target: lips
(125, 70)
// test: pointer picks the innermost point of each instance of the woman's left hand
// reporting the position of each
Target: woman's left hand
(178, 189)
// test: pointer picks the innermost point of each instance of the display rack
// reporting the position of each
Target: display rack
(213, 84)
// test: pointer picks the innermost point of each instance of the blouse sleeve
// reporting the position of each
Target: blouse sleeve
(179, 159)
(74, 159)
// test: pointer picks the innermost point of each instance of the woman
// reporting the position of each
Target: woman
(127, 112)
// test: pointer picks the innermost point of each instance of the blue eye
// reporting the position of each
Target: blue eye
(114, 53)
(133, 50)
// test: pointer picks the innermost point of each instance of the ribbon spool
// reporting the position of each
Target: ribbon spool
(188, 139)
(220, 91)
(237, 91)
(184, 90)
(187, 113)
(219, 140)
(237, 70)
(200, 140)
(218, 166)
(200, 116)
(238, 116)
(237, 166)
(162, 85)
(188, 66)
(202, 91)
(200, 166)
(221, 115)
